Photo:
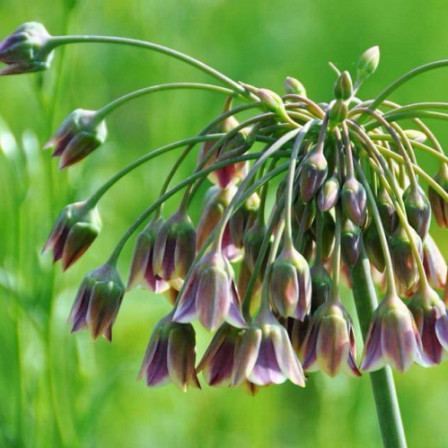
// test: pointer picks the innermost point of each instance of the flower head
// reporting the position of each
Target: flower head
(74, 231)
(330, 341)
(265, 355)
(79, 135)
(98, 301)
(393, 338)
(170, 356)
(26, 50)
(210, 294)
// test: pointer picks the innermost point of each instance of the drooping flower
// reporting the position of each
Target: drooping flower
(98, 301)
(142, 267)
(265, 355)
(393, 338)
(79, 135)
(170, 355)
(26, 50)
(210, 294)
(75, 229)
(330, 341)
(431, 318)
(434, 263)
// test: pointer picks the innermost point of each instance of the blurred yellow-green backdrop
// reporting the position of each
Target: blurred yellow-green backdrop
(58, 389)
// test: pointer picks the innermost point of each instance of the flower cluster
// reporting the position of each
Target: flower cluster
(346, 190)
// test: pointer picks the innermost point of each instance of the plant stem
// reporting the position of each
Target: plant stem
(386, 401)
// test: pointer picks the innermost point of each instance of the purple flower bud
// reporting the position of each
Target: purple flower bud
(386, 207)
(217, 201)
(431, 318)
(438, 204)
(218, 361)
(343, 87)
(26, 50)
(354, 201)
(418, 210)
(174, 248)
(78, 136)
(330, 341)
(290, 284)
(236, 145)
(265, 355)
(142, 268)
(170, 356)
(351, 242)
(210, 294)
(313, 174)
(392, 338)
(329, 194)
(98, 301)
(367, 64)
(405, 267)
(434, 263)
(373, 248)
(75, 230)
(294, 86)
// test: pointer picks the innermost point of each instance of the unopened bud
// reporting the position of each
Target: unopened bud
(418, 210)
(313, 174)
(374, 250)
(351, 242)
(367, 64)
(343, 87)
(438, 204)
(329, 194)
(294, 86)
(338, 112)
(354, 201)
(417, 136)
(388, 213)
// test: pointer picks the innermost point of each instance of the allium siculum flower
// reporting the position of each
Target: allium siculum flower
(418, 210)
(142, 267)
(290, 284)
(330, 341)
(75, 229)
(98, 301)
(434, 263)
(393, 338)
(354, 201)
(431, 318)
(265, 355)
(313, 174)
(79, 135)
(26, 50)
(210, 294)
(438, 204)
(174, 248)
(170, 356)
(217, 201)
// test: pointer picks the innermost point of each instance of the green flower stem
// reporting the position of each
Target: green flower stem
(334, 294)
(386, 401)
(108, 108)
(396, 116)
(403, 79)
(64, 40)
(136, 224)
(311, 105)
(93, 200)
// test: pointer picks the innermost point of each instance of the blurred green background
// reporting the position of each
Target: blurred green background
(58, 389)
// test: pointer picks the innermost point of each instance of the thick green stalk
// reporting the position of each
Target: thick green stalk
(382, 381)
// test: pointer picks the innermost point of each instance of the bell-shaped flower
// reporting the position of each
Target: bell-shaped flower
(26, 50)
(438, 205)
(313, 174)
(392, 338)
(174, 248)
(170, 356)
(142, 268)
(210, 294)
(290, 284)
(79, 135)
(434, 263)
(354, 201)
(75, 229)
(330, 341)
(218, 361)
(265, 355)
(431, 318)
(98, 301)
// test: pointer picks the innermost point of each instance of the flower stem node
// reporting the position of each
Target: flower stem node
(175, 248)
(75, 229)
(290, 284)
(265, 355)
(392, 338)
(142, 267)
(210, 294)
(98, 301)
(330, 341)
(354, 201)
(170, 356)
(26, 50)
(79, 135)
